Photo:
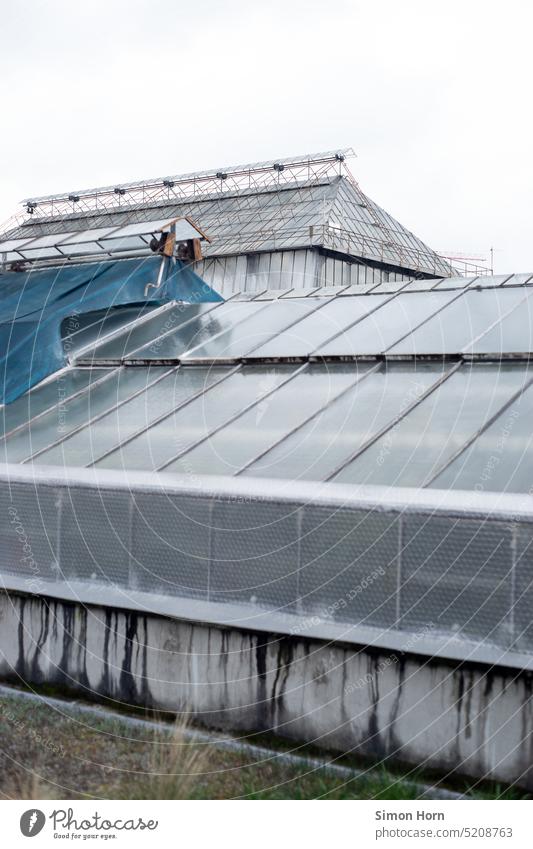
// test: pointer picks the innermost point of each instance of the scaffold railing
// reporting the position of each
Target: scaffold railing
(259, 175)
(299, 171)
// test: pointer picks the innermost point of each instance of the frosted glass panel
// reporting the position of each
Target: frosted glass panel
(54, 392)
(179, 431)
(501, 458)
(209, 324)
(91, 328)
(512, 333)
(452, 330)
(149, 331)
(88, 445)
(434, 430)
(252, 433)
(269, 322)
(337, 314)
(387, 325)
(57, 423)
(314, 451)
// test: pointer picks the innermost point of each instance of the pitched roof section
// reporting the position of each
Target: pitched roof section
(333, 214)
(323, 208)
(300, 389)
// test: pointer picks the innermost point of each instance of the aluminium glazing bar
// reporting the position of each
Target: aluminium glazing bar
(172, 330)
(355, 454)
(516, 395)
(139, 320)
(410, 332)
(282, 293)
(93, 419)
(232, 418)
(109, 373)
(296, 428)
(164, 416)
(285, 328)
(495, 323)
(355, 322)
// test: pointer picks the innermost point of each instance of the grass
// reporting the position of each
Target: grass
(56, 753)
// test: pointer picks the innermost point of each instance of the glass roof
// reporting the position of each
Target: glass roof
(467, 317)
(394, 320)
(353, 389)
(431, 433)
(500, 458)
(491, 321)
(129, 237)
(333, 213)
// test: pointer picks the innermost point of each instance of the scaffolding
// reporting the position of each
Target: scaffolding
(253, 177)
(304, 201)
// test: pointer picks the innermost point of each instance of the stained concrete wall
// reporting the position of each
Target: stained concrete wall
(450, 717)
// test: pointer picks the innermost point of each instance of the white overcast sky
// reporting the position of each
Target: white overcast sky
(436, 99)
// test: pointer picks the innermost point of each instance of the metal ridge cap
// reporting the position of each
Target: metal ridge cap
(498, 506)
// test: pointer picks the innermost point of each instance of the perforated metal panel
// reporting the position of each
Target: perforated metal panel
(170, 545)
(432, 572)
(29, 534)
(255, 557)
(94, 538)
(457, 577)
(349, 565)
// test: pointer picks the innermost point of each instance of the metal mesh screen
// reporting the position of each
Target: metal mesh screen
(425, 572)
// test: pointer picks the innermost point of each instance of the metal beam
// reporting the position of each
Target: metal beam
(256, 175)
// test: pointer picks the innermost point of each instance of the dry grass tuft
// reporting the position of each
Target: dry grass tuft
(177, 765)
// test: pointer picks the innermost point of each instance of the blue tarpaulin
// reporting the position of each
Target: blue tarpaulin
(34, 304)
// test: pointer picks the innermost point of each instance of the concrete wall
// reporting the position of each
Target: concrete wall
(462, 718)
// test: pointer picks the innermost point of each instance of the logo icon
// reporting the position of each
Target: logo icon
(32, 822)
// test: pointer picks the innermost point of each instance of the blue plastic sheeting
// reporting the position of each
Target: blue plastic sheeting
(33, 305)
